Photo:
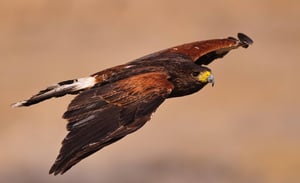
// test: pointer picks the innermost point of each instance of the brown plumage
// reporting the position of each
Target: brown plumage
(117, 101)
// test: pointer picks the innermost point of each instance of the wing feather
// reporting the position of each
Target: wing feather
(102, 115)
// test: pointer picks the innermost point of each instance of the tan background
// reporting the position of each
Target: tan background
(245, 129)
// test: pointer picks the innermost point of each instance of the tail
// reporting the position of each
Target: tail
(58, 90)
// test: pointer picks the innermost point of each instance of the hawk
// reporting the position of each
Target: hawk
(117, 101)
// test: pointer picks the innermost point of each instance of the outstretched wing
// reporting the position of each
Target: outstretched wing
(204, 52)
(104, 114)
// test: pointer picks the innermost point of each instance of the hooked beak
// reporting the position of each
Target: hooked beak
(211, 80)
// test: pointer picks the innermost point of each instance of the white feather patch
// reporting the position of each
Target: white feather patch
(83, 83)
(18, 104)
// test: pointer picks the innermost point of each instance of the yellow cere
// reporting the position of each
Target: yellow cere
(203, 76)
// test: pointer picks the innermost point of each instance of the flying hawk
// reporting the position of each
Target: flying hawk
(115, 102)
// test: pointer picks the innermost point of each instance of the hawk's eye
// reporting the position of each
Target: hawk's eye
(195, 74)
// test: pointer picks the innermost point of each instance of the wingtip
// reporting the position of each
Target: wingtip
(54, 171)
(244, 40)
(57, 168)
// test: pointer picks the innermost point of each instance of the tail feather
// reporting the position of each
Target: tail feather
(58, 90)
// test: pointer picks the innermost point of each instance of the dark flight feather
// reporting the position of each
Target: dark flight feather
(110, 113)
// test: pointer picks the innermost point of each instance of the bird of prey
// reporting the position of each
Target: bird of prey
(115, 102)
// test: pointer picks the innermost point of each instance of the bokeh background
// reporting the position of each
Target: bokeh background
(245, 129)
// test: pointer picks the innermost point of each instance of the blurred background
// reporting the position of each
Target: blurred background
(245, 129)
